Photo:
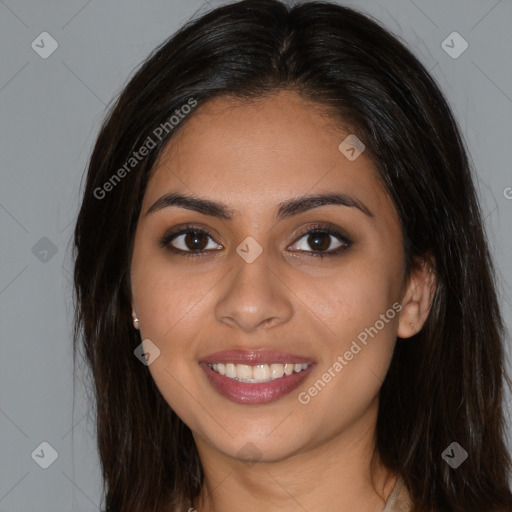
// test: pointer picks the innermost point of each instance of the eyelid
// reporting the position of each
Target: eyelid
(171, 235)
(329, 229)
(324, 227)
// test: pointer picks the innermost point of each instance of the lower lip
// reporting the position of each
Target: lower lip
(261, 393)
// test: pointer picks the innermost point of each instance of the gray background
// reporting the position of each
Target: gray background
(50, 110)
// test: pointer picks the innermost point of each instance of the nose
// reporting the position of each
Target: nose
(254, 296)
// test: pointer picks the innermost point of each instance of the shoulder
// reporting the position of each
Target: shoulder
(399, 500)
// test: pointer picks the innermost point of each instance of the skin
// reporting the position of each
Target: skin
(252, 157)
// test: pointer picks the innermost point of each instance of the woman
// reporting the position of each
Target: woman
(284, 290)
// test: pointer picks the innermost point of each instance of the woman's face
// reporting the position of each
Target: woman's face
(259, 295)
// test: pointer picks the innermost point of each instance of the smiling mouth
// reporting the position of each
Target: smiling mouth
(259, 373)
(257, 376)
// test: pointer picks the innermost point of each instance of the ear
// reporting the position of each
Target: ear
(417, 296)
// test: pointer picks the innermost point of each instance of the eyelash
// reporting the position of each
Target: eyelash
(165, 242)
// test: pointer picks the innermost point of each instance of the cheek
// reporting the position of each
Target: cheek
(357, 316)
(351, 299)
(171, 298)
(169, 293)
(169, 303)
(355, 352)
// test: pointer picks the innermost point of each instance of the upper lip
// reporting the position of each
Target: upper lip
(253, 357)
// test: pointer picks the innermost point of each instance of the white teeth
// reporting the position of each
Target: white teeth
(243, 372)
(230, 371)
(261, 372)
(257, 373)
(276, 371)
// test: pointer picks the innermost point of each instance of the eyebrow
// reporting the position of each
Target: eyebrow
(286, 209)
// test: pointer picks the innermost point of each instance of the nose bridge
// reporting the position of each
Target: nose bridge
(253, 295)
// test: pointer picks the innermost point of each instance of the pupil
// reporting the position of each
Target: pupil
(194, 240)
(314, 241)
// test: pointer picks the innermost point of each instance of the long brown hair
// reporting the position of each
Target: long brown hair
(443, 386)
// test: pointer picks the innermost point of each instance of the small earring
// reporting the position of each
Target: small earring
(136, 323)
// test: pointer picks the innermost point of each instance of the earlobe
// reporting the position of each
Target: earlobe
(418, 296)
(135, 318)
(408, 322)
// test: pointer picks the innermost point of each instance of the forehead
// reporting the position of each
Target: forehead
(259, 153)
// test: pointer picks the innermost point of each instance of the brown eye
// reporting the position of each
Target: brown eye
(320, 240)
(190, 241)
